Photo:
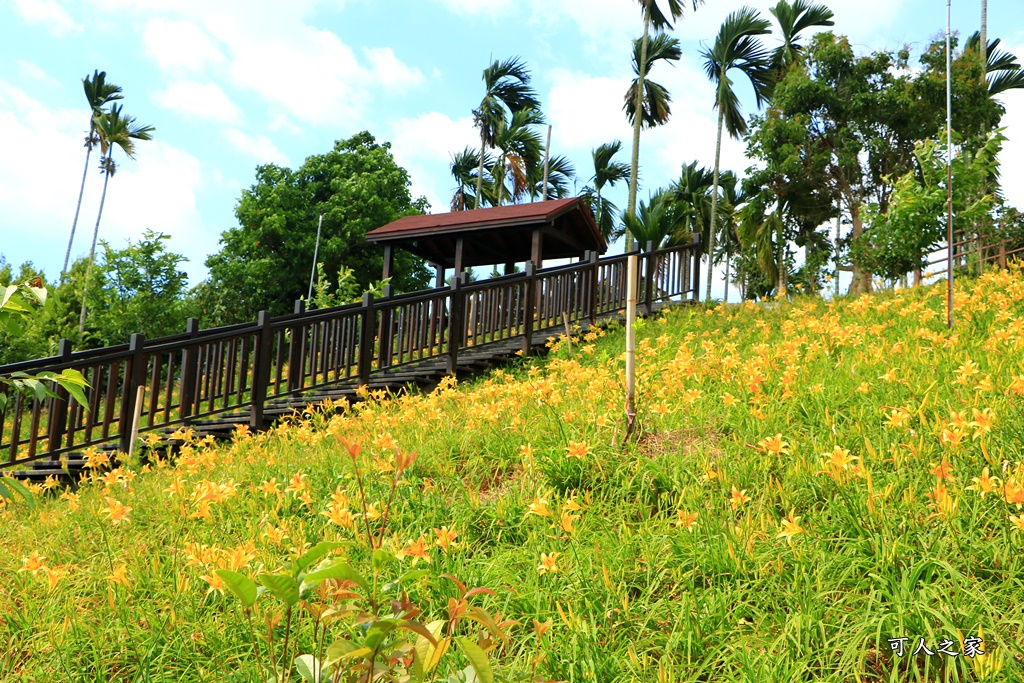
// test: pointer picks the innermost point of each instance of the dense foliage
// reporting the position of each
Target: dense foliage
(265, 263)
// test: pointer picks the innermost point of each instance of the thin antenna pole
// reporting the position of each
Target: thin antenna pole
(547, 165)
(316, 253)
(949, 170)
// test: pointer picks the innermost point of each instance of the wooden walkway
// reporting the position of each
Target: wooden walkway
(254, 373)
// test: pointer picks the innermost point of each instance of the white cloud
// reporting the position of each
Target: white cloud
(156, 191)
(389, 71)
(180, 46)
(423, 146)
(1012, 171)
(259, 147)
(205, 101)
(35, 74)
(49, 13)
(477, 7)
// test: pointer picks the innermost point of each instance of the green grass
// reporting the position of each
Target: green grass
(889, 541)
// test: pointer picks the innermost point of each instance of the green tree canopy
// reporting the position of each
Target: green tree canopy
(265, 262)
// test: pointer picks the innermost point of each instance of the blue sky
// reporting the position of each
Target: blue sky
(230, 84)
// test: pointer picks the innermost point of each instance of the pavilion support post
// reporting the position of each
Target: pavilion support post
(438, 275)
(531, 306)
(510, 268)
(389, 261)
(537, 248)
(460, 258)
(386, 331)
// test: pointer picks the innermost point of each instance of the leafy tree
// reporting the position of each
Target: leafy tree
(660, 221)
(737, 47)
(654, 17)
(114, 130)
(915, 223)
(142, 290)
(507, 91)
(98, 93)
(358, 187)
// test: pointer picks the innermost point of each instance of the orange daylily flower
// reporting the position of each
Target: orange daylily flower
(548, 563)
(116, 511)
(790, 527)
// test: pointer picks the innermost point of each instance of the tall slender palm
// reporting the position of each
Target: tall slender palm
(560, 172)
(520, 154)
(464, 169)
(655, 104)
(607, 172)
(737, 47)
(659, 20)
(507, 91)
(661, 221)
(729, 245)
(693, 190)
(794, 18)
(114, 130)
(98, 93)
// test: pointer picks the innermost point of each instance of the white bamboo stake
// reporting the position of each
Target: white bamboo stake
(139, 396)
(631, 277)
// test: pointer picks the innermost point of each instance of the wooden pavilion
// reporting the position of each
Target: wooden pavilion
(563, 228)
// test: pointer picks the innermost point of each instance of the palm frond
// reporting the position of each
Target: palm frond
(1006, 80)
(661, 47)
(606, 170)
(663, 13)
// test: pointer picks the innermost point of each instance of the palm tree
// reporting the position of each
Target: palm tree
(560, 172)
(507, 92)
(114, 130)
(656, 101)
(464, 168)
(520, 154)
(736, 47)
(607, 172)
(99, 93)
(661, 221)
(729, 243)
(1002, 69)
(794, 18)
(654, 18)
(693, 191)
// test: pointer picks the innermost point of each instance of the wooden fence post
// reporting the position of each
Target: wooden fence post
(260, 370)
(592, 299)
(531, 305)
(134, 377)
(189, 371)
(366, 340)
(1002, 254)
(386, 332)
(697, 251)
(59, 405)
(296, 347)
(455, 325)
(649, 266)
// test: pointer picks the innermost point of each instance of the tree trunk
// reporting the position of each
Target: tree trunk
(638, 120)
(728, 263)
(861, 278)
(480, 170)
(92, 251)
(984, 34)
(714, 204)
(78, 207)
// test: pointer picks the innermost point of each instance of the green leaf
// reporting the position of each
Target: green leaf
(315, 554)
(379, 630)
(477, 658)
(282, 586)
(306, 665)
(380, 557)
(8, 293)
(414, 575)
(338, 570)
(9, 485)
(338, 649)
(241, 586)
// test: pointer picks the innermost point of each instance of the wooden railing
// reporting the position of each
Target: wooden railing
(242, 368)
(977, 250)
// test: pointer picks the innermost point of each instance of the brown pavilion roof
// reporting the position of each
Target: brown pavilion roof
(501, 234)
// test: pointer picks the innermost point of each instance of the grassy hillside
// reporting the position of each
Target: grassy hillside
(809, 481)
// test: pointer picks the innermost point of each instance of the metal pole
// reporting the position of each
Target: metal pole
(316, 253)
(949, 170)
